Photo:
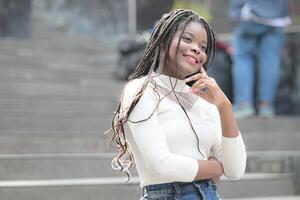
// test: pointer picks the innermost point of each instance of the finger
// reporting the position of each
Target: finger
(201, 83)
(204, 73)
(207, 82)
(212, 80)
(216, 180)
(196, 77)
(197, 83)
(193, 78)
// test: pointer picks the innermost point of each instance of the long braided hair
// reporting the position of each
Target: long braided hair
(163, 33)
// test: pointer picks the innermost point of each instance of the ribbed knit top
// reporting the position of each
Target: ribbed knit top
(164, 144)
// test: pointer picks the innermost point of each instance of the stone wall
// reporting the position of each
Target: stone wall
(101, 18)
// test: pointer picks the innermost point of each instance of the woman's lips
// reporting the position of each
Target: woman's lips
(191, 59)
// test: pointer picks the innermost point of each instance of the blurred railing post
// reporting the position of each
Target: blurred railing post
(15, 18)
(132, 21)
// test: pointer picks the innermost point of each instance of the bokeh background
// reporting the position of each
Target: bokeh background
(63, 64)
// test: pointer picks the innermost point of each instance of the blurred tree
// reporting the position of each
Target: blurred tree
(200, 7)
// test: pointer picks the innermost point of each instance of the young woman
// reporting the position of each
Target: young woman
(182, 138)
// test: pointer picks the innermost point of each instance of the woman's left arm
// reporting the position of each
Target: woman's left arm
(231, 151)
(230, 148)
(228, 123)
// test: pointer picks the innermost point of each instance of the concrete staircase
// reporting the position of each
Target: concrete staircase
(57, 96)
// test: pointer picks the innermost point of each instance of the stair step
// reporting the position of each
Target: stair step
(58, 106)
(284, 140)
(92, 189)
(57, 166)
(14, 73)
(10, 58)
(70, 163)
(35, 67)
(58, 43)
(23, 53)
(269, 198)
(55, 123)
(56, 88)
(276, 124)
(45, 142)
(272, 161)
(66, 163)
(100, 96)
(258, 184)
(81, 83)
(251, 185)
(24, 133)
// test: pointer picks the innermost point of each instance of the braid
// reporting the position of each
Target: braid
(162, 33)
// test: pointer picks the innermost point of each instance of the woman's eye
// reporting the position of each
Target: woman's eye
(204, 48)
(186, 39)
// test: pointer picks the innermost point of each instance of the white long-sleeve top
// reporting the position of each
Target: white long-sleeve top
(164, 145)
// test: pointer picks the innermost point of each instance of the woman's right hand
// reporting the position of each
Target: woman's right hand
(220, 170)
(209, 169)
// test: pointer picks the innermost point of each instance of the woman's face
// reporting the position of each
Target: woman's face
(191, 51)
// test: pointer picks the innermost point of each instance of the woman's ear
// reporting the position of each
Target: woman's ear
(162, 46)
(162, 49)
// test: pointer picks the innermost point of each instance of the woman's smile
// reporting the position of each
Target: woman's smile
(190, 55)
(191, 59)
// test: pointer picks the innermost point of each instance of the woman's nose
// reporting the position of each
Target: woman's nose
(195, 49)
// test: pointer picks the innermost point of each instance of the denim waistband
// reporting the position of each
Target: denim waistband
(176, 187)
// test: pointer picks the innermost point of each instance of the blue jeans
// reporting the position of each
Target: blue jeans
(196, 190)
(256, 44)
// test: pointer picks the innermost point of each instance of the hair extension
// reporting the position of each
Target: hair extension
(162, 34)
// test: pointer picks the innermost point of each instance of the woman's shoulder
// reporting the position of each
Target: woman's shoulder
(133, 86)
(141, 90)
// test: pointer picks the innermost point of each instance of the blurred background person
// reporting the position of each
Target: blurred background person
(258, 38)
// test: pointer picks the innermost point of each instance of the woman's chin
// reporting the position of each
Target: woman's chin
(191, 71)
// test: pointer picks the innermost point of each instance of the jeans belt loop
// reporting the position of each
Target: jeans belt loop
(177, 190)
(145, 191)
